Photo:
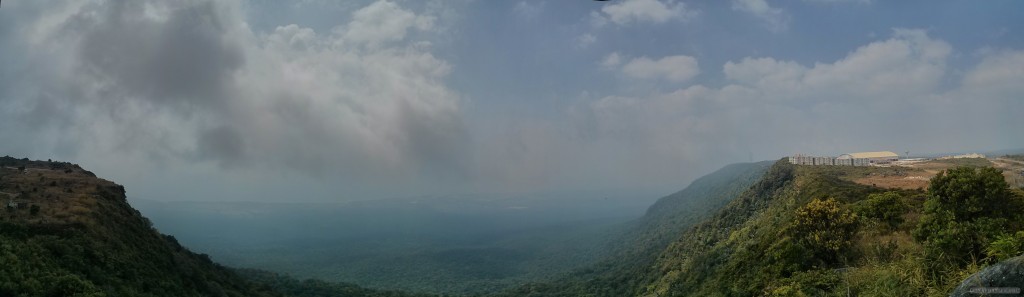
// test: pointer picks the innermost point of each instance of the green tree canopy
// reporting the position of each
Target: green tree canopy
(971, 193)
(886, 207)
(966, 210)
(826, 229)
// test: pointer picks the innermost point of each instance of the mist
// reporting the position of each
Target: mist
(385, 99)
(483, 147)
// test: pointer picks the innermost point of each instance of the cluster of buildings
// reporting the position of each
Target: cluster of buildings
(851, 159)
(963, 156)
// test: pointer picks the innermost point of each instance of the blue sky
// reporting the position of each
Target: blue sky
(348, 100)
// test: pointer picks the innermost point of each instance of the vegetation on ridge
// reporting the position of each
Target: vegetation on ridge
(68, 233)
(863, 240)
(640, 244)
(812, 231)
(782, 230)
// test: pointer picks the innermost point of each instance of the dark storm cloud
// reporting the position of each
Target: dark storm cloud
(187, 58)
(437, 142)
(189, 90)
(189, 81)
(223, 144)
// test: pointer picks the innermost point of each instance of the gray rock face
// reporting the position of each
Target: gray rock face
(1002, 279)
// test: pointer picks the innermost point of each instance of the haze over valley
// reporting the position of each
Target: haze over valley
(511, 148)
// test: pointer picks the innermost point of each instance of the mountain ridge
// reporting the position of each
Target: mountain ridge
(767, 228)
(66, 232)
(642, 241)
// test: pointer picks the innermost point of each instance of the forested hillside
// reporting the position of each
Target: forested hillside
(639, 245)
(757, 229)
(809, 231)
(292, 287)
(65, 232)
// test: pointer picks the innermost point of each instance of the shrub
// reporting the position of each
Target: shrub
(806, 283)
(1006, 246)
(884, 251)
(826, 229)
(966, 210)
(886, 207)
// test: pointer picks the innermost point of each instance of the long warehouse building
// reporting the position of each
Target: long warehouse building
(851, 159)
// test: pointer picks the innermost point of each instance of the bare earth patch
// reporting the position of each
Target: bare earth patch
(915, 176)
(910, 182)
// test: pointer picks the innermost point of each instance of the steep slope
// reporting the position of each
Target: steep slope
(812, 231)
(702, 250)
(640, 243)
(671, 215)
(65, 232)
(746, 248)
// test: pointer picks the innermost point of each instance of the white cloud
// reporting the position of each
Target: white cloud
(585, 40)
(888, 94)
(528, 11)
(193, 84)
(671, 68)
(998, 72)
(367, 106)
(597, 20)
(638, 11)
(611, 60)
(764, 72)
(908, 63)
(839, 1)
(774, 18)
(383, 21)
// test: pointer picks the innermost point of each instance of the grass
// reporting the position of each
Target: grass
(64, 194)
(970, 162)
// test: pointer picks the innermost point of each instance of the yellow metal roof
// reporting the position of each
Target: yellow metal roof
(869, 155)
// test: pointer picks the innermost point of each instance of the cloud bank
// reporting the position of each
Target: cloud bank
(643, 11)
(890, 94)
(774, 19)
(190, 80)
(365, 108)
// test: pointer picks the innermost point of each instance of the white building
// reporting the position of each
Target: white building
(964, 156)
(851, 159)
(868, 158)
(799, 159)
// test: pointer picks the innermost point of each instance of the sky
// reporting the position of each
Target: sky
(320, 100)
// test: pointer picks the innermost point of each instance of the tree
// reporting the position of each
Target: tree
(967, 208)
(886, 207)
(826, 229)
(972, 193)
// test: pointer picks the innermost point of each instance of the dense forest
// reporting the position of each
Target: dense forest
(807, 231)
(292, 287)
(65, 232)
(443, 245)
(811, 231)
(639, 244)
(757, 229)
